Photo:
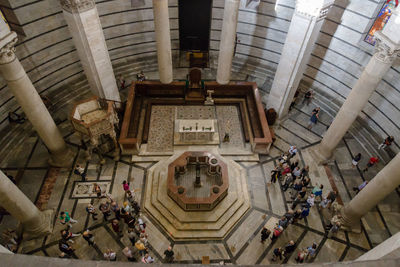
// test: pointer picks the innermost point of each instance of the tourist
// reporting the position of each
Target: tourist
(314, 117)
(169, 255)
(311, 199)
(140, 76)
(311, 251)
(129, 254)
(116, 228)
(276, 232)
(296, 172)
(97, 189)
(317, 190)
(286, 169)
(129, 196)
(63, 246)
(305, 211)
(67, 235)
(334, 229)
(289, 248)
(132, 236)
(147, 259)
(141, 248)
(360, 187)
(65, 218)
(301, 256)
(356, 160)
(372, 161)
(297, 187)
(79, 170)
(110, 255)
(303, 191)
(287, 182)
(296, 215)
(125, 186)
(283, 221)
(89, 237)
(277, 252)
(114, 208)
(296, 201)
(305, 181)
(282, 159)
(14, 117)
(308, 96)
(305, 171)
(142, 225)
(292, 151)
(136, 207)
(323, 204)
(275, 174)
(143, 238)
(331, 197)
(105, 209)
(90, 209)
(289, 215)
(264, 234)
(387, 142)
(126, 207)
(294, 165)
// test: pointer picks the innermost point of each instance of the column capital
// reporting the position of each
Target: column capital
(385, 50)
(77, 6)
(7, 48)
(313, 8)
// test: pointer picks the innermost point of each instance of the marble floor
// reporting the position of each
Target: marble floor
(26, 160)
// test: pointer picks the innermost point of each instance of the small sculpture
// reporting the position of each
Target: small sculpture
(209, 101)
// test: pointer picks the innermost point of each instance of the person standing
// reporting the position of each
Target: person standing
(372, 161)
(360, 187)
(110, 255)
(141, 248)
(90, 209)
(311, 200)
(292, 151)
(89, 237)
(79, 170)
(264, 234)
(115, 226)
(63, 246)
(147, 258)
(128, 253)
(311, 251)
(65, 218)
(334, 229)
(317, 190)
(277, 253)
(277, 232)
(314, 117)
(105, 209)
(125, 186)
(169, 255)
(387, 142)
(132, 236)
(331, 197)
(301, 256)
(356, 160)
(289, 248)
(308, 96)
(115, 208)
(275, 174)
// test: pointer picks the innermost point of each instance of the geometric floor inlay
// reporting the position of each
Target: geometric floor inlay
(85, 189)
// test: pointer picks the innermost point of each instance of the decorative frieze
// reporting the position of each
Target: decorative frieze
(7, 52)
(385, 51)
(77, 6)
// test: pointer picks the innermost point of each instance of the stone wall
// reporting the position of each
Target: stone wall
(49, 56)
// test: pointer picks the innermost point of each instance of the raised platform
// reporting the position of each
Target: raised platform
(193, 225)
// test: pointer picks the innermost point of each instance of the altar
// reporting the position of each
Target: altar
(196, 132)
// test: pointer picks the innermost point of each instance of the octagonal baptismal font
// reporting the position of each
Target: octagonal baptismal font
(196, 195)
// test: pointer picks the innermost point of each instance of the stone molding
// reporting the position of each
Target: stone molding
(77, 6)
(384, 51)
(306, 8)
(7, 52)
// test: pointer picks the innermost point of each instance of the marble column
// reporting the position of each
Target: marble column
(303, 31)
(87, 34)
(227, 42)
(163, 40)
(34, 222)
(387, 49)
(29, 100)
(385, 182)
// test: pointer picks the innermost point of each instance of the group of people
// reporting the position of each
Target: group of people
(304, 197)
(128, 214)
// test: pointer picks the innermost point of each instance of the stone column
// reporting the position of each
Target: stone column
(227, 43)
(303, 31)
(385, 182)
(29, 100)
(87, 34)
(163, 40)
(34, 222)
(387, 49)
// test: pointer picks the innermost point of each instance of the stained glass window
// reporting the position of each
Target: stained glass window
(381, 20)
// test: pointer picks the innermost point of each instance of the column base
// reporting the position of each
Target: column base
(61, 159)
(46, 226)
(354, 227)
(320, 158)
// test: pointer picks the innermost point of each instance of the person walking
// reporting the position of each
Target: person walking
(372, 161)
(89, 237)
(360, 187)
(387, 142)
(308, 96)
(264, 234)
(314, 118)
(356, 160)
(65, 218)
(79, 170)
(311, 200)
(91, 210)
(125, 186)
(169, 255)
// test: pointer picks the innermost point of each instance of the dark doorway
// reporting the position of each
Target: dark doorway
(194, 25)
